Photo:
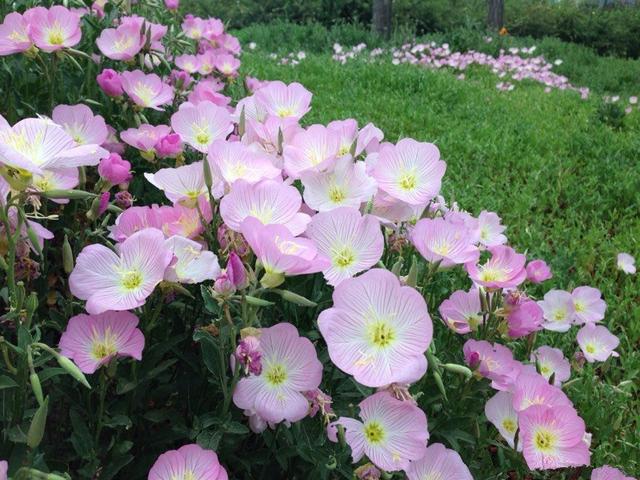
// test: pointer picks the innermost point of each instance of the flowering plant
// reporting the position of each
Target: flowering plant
(228, 291)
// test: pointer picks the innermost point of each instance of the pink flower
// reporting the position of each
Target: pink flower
(194, 27)
(377, 330)
(505, 269)
(439, 240)
(92, 341)
(493, 361)
(147, 91)
(36, 144)
(346, 185)
(269, 201)
(234, 161)
(550, 361)
(183, 184)
(608, 473)
(290, 367)
(553, 437)
(190, 461)
(314, 149)
(597, 343)
(110, 82)
(525, 318)
(462, 312)
(54, 28)
(188, 63)
(490, 229)
(227, 65)
(121, 43)
(319, 402)
(236, 271)
(352, 242)
(145, 137)
(200, 125)
(169, 146)
(172, 4)
(208, 90)
(439, 462)
(284, 101)
(409, 171)
(391, 434)
(58, 179)
(531, 388)
(280, 252)
(122, 281)
(4, 467)
(626, 263)
(14, 35)
(588, 305)
(538, 271)
(191, 263)
(115, 169)
(500, 412)
(559, 312)
(81, 124)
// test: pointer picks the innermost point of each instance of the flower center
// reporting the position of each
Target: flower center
(276, 375)
(442, 248)
(509, 425)
(374, 432)
(492, 274)
(579, 307)
(590, 348)
(344, 257)
(408, 181)
(381, 334)
(102, 350)
(285, 112)
(144, 92)
(336, 194)
(559, 315)
(56, 35)
(131, 280)
(544, 440)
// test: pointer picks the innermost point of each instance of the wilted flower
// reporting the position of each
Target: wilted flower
(608, 473)
(538, 271)
(249, 355)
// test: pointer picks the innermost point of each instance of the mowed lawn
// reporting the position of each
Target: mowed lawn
(566, 184)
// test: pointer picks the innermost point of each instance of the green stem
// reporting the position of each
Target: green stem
(102, 396)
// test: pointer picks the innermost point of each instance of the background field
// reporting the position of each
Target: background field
(564, 181)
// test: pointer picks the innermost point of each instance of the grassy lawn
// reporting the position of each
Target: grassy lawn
(566, 184)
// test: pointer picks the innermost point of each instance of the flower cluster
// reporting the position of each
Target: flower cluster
(247, 184)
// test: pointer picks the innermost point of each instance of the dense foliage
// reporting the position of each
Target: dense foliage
(351, 290)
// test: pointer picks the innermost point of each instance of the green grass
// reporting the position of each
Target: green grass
(582, 65)
(566, 184)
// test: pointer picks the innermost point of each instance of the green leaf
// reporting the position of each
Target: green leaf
(210, 351)
(209, 439)
(7, 382)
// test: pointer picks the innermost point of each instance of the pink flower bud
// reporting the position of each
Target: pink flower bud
(180, 79)
(104, 203)
(115, 169)
(169, 146)
(172, 4)
(538, 271)
(319, 402)
(110, 82)
(524, 319)
(236, 271)
(224, 285)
